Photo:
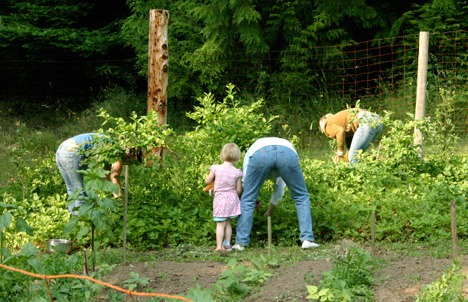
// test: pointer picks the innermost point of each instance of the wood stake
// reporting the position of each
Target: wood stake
(269, 236)
(125, 215)
(92, 247)
(373, 234)
(454, 229)
(85, 262)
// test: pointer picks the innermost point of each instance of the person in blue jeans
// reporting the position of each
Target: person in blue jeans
(354, 128)
(273, 158)
(69, 159)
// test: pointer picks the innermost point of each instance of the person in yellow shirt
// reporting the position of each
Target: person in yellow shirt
(356, 128)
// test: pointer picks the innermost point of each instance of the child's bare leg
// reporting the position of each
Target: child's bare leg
(228, 230)
(220, 225)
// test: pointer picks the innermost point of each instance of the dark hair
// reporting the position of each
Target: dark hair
(134, 154)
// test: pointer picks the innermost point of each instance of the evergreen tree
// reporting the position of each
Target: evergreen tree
(44, 43)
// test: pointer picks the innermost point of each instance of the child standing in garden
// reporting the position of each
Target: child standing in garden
(227, 189)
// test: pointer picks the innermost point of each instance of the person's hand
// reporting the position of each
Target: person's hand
(268, 212)
(258, 204)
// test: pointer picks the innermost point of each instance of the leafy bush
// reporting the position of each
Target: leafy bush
(170, 204)
(449, 288)
(18, 287)
(349, 280)
(409, 190)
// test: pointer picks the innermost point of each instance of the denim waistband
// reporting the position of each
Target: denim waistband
(367, 117)
(69, 146)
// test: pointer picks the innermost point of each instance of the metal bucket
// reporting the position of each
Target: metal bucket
(58, 245)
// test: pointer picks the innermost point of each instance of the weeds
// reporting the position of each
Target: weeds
(449, 288)
(349, 280)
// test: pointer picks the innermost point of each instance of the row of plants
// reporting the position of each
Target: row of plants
(350, 279)
(410, 191)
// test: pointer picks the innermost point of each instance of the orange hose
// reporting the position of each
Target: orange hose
(126, 291)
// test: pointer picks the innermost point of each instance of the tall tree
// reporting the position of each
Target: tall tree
(39, 33)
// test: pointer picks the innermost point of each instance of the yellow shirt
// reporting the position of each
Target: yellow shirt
(342, 125)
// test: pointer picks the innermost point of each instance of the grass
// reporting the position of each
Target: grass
(285, 255)
(440, 249)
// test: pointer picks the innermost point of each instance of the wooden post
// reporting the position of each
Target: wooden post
(454, 229)
(373, 233)
(86, 270)
(158, 66)
(269, 235)
(421, 84)
(92, 247)
(125, 215)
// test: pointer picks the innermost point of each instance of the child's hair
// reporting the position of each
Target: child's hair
(230, 152)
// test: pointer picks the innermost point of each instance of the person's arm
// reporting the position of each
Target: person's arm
(341, 141)
(270, 208)
(239, 186)
(116, 170)
(210, 177)
(278, 191)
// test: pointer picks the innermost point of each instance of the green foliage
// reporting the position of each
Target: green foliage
(394, 180)
(140, 133)
(6, 218)
(349, 280)
(47, 29)
(198, 294)
(97, 208)
(236, 282)
(18, 287)
(439, 16)
(228, 121)
(449, 288)
(135, 281)
(166, 203)
(170, 191)
(37, 200)
(231, 29)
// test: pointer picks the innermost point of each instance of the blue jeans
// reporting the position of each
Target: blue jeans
(68, 164)
(265, 163)
(369, 128)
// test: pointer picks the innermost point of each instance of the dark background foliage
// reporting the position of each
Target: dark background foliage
(70, 51)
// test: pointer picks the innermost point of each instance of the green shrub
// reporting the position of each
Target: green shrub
(449, 288)
(349, 280)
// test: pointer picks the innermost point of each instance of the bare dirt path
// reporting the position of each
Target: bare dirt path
(399, 279)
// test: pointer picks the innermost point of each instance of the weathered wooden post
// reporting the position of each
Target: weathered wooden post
(453, 215)
(373, 233)
(421, 84)
(125, 215)
(158, 66)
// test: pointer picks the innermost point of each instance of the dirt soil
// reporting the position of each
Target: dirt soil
(399, 279)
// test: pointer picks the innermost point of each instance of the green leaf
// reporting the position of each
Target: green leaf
(29, 250)
(23, 226)
(7, 206)
(37, 265)
(5, 220)
(312, 290)
(70, 226)
(84, 230)
(199, 294)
